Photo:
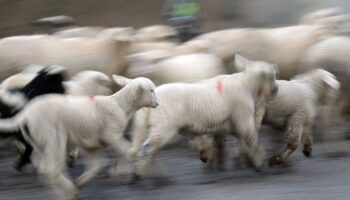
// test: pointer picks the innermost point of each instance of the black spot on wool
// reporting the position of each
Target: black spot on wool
(43, 83)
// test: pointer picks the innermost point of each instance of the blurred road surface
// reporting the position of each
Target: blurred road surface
(318, 178)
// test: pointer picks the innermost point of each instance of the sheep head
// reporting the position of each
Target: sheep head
(262, 75)
(141, 89)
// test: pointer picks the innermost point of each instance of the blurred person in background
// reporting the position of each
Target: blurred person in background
(184, 16)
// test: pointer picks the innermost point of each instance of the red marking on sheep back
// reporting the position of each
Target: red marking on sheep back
(91, 98)
(219, 86)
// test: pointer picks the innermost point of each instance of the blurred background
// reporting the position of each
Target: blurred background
(17, 15)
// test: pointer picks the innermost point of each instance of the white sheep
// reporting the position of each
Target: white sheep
(155, 33)
(282, 46)
(297, 104)
(104, 54)
(52, 122)
(203, 108)
(162, 67)
(332, 55)
(85, 83)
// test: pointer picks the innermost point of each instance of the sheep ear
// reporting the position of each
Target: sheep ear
(120, 80)
(56, 69)
(241, 62)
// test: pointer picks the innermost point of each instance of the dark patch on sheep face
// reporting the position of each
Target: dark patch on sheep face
(43, 83)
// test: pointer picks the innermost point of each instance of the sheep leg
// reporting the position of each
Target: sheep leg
(219, 148)
(51, 165)
(248, 143)
(308, 143)
(118, 143)
(294, 132)
(25, 157)
(61, 183)
(115, 140)
(259, 113)
(153, 143)
(139, 135)
(96, 163)
(73, 157)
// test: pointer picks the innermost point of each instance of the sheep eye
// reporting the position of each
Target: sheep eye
(152, 90)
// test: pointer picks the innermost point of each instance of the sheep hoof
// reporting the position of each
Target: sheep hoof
(203, 159)
(307, 152)
(275, 160)
(70, 164)
(19, 164)
(135, 178)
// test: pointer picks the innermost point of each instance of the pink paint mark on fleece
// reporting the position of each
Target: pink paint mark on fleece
(91, 98)
(219, 86)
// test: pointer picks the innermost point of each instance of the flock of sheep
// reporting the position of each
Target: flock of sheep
(215, 85)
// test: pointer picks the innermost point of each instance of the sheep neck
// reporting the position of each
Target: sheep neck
(252, 83)
(127, 99)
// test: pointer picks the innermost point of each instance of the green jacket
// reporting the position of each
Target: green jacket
(185, 9)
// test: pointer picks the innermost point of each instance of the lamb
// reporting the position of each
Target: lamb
(189, 109)
(297, 103)
(48, 80)
(262, 44)
(85, 83)
(104, 54)
(331, 54)
(162, 67)
(93, 124)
